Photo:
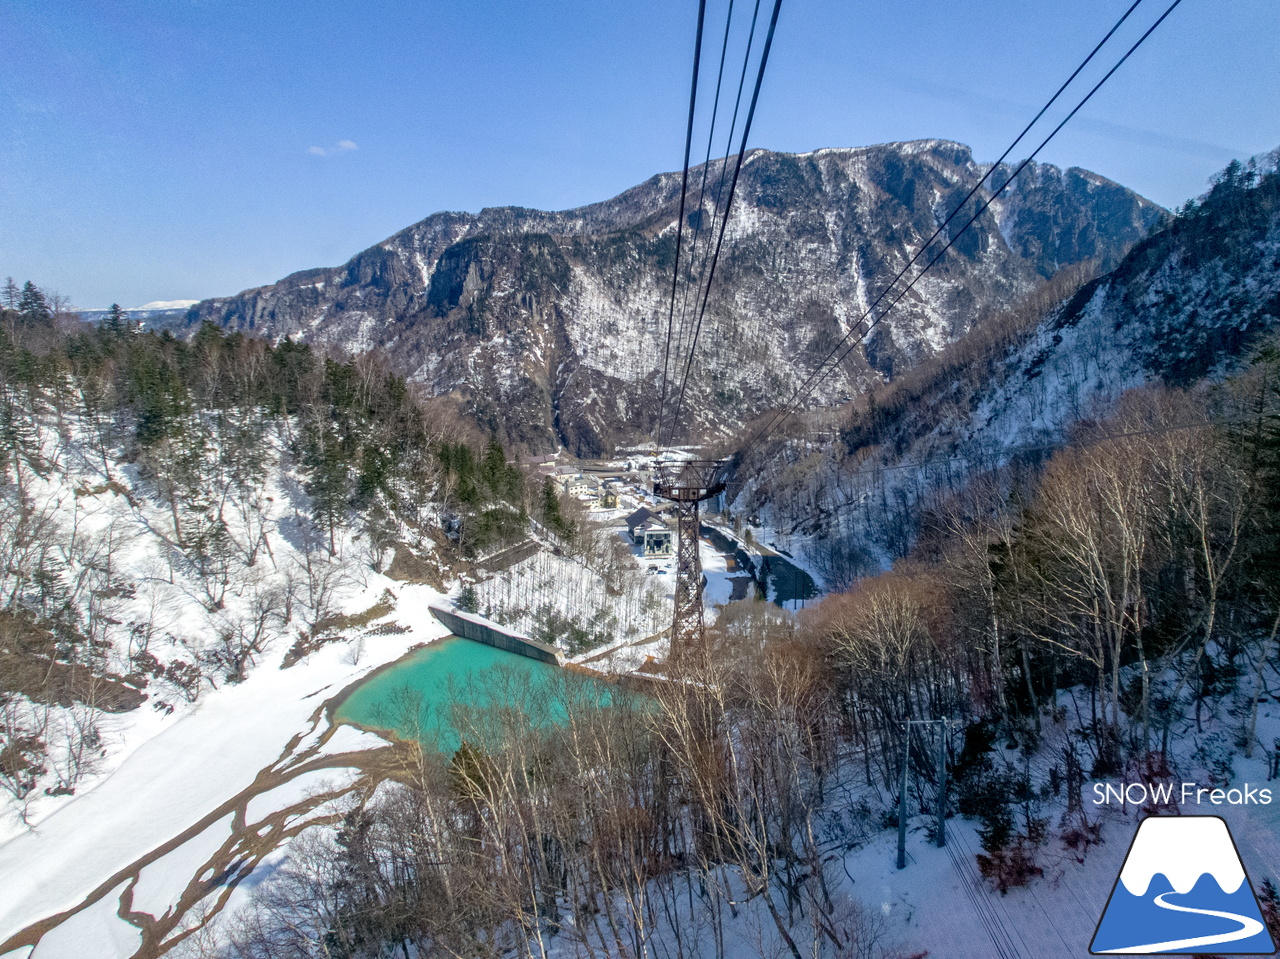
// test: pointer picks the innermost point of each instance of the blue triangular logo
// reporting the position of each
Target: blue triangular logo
(1182, 889)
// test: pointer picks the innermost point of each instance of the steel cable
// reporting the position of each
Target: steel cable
(820, 373)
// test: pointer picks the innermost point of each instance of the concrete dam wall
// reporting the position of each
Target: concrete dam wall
(481, 630)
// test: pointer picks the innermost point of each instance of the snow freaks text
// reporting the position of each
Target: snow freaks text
(1185, 794)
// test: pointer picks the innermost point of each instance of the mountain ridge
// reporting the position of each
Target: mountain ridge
(1187, 303)
(548, 326)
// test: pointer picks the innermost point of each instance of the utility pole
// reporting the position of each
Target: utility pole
(940, 799)
(687, 483)
(902, 796)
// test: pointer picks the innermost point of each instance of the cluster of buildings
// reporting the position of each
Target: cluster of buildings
(647, 526)
(601, 490)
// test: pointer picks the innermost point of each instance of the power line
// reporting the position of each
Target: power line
(724, 167)
(684, 186)
(724, 222)
(706, 166)
(1004, 949)
(695, 273)
(820, 373)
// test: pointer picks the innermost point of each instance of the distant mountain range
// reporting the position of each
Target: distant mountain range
(159, 315)
(158, 305)
(549, 327)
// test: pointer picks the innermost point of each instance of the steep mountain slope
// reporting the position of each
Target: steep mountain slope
(550, 325)
(1185, 303)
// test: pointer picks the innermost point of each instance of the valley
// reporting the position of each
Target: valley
(1037, 511)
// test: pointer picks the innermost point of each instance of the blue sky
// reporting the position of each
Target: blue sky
(192, 148)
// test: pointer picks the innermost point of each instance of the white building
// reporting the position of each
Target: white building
(654, 537)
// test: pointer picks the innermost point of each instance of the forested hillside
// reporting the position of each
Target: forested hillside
(1050, 558)
(1111, 616)
(171, 509)
(851, 484)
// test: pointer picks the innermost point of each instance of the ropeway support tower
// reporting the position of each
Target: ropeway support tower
(688, 483)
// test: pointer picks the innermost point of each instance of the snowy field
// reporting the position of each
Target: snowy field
(174, 801)
(187, 809)
(144, 832)
(181, 774)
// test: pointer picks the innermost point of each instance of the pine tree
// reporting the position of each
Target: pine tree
(33, 308)
(9, 294)
(18, 441)
(552, 515)
(503, 481)
(159, 397)
(116, 320)
(376, 469)
(330, 484)
(996, 829)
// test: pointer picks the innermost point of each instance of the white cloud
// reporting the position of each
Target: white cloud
(342, 147)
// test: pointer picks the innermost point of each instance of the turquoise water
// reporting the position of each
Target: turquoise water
(458, 689)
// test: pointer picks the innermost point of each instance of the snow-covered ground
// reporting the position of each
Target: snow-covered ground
(181, 774)
(183, 780)
(186, 803)
(623, 601)
(939, 905)
(177, 783)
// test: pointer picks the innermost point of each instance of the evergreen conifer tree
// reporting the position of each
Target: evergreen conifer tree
(33, 308)
(497, 475)
(552, 514)
(18, 440)
(330, 484)
(159, 397)
(116, 320)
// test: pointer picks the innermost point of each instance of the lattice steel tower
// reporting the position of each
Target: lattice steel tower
(687, 484)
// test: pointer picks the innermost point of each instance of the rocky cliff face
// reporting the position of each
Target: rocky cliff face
(550, 326)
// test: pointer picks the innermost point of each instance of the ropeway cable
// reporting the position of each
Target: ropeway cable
(819, 373)
(684, 187)
(724, 166)
(724, 222)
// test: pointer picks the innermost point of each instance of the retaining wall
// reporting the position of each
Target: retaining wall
(481, 630)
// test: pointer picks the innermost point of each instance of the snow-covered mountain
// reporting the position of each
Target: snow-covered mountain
(1184, 304)
(158, 315)
(550, 326)
(169, 305)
